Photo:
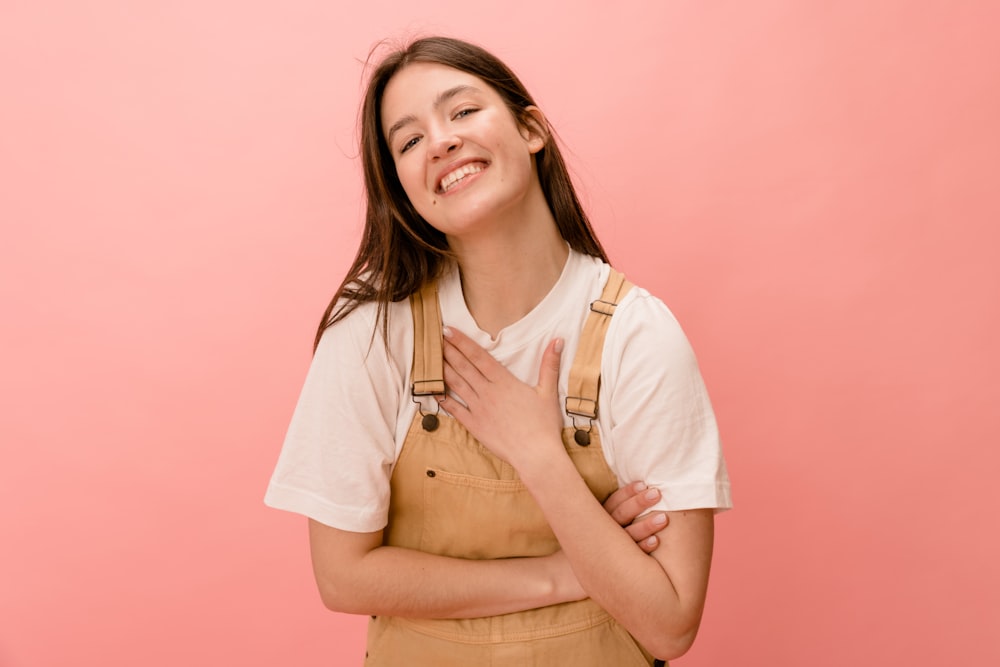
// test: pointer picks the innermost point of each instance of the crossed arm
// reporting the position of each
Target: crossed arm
(658, 599)
(357, 574)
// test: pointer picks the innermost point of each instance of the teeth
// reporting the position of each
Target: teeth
(454, 177)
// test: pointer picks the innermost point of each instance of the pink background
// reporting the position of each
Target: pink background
(812, 187)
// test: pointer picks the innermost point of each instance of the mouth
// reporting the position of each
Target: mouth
(456, 176)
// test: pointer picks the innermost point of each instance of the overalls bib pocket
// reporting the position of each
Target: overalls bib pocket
(477, 517)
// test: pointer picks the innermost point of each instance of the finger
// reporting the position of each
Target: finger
(621, 495)
(456, 410)
(461, 365)
(647, 527)
(479, 358)
(457, 383)
(649, 544)
(548, 372)
(633, 506)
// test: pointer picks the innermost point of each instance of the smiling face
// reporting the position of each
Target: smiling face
(459, 153)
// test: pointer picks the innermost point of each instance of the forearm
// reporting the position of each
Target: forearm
(383, 580)
(658, 601)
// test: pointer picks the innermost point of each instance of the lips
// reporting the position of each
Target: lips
(458, 173)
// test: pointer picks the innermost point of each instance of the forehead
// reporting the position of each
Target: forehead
(413, 90)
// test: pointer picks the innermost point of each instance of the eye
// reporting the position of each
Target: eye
(462, 113)
(409, 144)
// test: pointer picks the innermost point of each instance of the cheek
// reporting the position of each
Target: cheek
(415, 188)
(410, 180)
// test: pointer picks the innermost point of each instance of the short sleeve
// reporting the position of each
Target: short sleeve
(662, 426)
(337, 457)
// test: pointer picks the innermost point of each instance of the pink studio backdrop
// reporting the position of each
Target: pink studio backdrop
(812, 187)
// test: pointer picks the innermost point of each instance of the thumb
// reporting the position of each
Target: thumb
(548, 373)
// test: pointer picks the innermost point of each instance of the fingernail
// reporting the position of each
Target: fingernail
(559, 345)
(651, 494)
(639, 486)
(660, 519)
(447, 332)
(650, 541)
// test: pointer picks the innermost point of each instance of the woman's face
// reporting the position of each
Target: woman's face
(460, 155)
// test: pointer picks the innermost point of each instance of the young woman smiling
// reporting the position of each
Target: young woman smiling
(492, 409)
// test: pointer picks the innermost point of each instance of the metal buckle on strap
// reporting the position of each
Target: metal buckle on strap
(603, 307)
(581, 407)
(584, 408)
(427, 387)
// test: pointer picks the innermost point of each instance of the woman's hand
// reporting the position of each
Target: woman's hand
(519, 423)
(512, 419)
(627, 504)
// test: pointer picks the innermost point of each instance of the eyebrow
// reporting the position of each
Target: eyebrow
(441, 99)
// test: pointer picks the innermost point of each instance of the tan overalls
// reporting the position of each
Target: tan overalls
(451, 496)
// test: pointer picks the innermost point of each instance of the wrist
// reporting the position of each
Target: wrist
(562, 581)
(544, 458)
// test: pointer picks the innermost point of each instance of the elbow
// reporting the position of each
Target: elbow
(672, 643)
(336, 597)
(330, 597)
(338, 563)
(671, 648)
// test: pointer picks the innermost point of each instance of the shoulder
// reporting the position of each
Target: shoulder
(647, 355)
(642, 320)
(588, 271)
(358, 341)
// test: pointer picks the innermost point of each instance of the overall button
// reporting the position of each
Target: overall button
(430, 423)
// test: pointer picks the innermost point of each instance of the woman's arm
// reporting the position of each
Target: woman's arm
(356, 574)
(660, 599)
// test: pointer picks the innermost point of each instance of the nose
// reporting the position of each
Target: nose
(443, 143)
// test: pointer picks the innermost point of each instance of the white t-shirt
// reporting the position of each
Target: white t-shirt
(654, 417)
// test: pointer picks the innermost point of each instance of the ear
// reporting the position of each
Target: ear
(534, 128)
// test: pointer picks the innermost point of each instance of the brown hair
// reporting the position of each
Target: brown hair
(399, 250)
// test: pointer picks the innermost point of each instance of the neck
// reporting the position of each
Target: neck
(507, 272)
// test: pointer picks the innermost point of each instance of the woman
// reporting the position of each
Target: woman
(454, 475)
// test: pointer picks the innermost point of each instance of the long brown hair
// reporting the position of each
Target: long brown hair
(399, 250)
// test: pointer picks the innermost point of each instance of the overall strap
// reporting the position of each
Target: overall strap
(427, 372)
(585, 374)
